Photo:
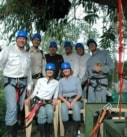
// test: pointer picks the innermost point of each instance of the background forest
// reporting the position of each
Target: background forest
(60, 20)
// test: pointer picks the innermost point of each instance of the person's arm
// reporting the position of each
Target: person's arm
(79, 90)
(43, 65)
(36, 89)
(3, 57)
(29, 78)
(61, 97)
(76, 65)
(34, 93)
(61, 61)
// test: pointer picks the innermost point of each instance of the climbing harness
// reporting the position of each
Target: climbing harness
(36, 103)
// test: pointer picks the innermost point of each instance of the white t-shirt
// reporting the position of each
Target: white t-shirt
(83, 64)
(73, 59)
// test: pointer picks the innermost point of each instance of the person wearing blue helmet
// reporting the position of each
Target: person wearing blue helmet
(46, 90)
(70, 93)
(16, 66)
(99, 65)
(71, 57)
(37, 58)
(54, 58)
(83, 58)
(21, 33)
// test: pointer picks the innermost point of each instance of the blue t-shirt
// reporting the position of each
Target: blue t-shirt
(70, 87)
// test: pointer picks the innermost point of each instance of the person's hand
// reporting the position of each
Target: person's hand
(54, 102)
(72, 103)
(27, 101)
(68, 104)
(28, 92)
(97, 68)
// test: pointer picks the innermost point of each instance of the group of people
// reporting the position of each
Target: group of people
(49, 77)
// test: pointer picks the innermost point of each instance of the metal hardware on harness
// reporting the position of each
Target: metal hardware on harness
(108, 106)
(35, 101)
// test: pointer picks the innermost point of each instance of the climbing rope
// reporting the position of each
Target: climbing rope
(120, 64)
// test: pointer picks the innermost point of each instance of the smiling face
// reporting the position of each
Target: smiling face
(49, 73)
(52, 50)
(80, 51)
(36, 42)
(21, 42)
(66, 72)
(68, 50)
(92, 47)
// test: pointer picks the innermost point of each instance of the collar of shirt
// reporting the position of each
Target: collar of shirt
(32, 49)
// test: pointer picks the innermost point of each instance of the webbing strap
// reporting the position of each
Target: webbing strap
(17, 87)
(33, 111)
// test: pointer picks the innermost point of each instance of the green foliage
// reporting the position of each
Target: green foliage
(108, 36)
(2, 113)
(31, 14)
(2, 108)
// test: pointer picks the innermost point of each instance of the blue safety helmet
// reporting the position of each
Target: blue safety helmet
(50, 66)
(91, 41)
(65, 65)
(36, 35)
(53, 44)
(67, 44)
(22, 33)
(79, 45)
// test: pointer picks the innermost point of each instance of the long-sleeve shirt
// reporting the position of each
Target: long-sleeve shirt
(46, 89)
(70, 87)
(16, 63)
(83, 64)
(100, 57)
(38, 61)
(74, 61)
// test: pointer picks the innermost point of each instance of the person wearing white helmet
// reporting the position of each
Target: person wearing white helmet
(37, 58)
(15, 63)
(99, 65)
(46, 90)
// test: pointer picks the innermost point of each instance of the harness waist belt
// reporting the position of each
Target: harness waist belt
(71, 97)
(36, 76)
(21, 78)
(97, 78)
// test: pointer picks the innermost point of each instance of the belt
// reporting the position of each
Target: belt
(93, 78)
(71, 97)
(36, 100)
(20, 78)
(37, 76)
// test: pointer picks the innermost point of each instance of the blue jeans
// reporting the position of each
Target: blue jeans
(76, 111)
(45, 114)
(10, 98)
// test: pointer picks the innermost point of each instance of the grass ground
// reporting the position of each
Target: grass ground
(2, 113)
